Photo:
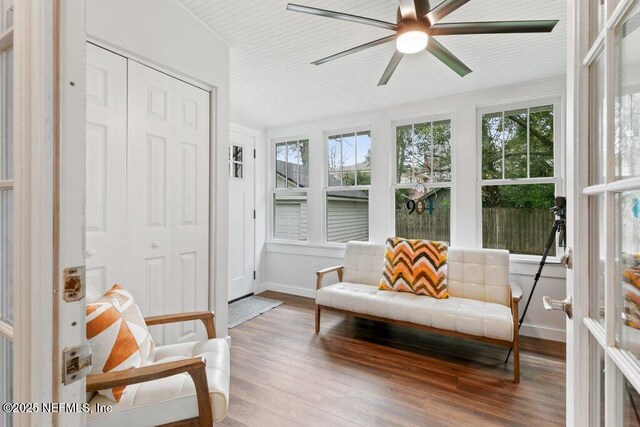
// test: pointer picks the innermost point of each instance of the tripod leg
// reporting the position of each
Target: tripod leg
(547, 248)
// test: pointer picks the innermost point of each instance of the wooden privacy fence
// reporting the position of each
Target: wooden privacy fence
(521, 231)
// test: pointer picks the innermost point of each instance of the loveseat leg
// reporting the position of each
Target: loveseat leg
(516, 362)
(317, 318)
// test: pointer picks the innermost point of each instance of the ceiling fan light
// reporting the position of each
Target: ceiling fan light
(412, 41)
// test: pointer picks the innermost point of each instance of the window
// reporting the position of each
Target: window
(518, 178)
(423, 180)
(347, 191)
(290, 196)
(236, 161)
(6, 207)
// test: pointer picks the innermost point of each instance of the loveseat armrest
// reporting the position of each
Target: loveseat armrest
(195, 367)
(320, 274)
(205, 316)
(516, 293)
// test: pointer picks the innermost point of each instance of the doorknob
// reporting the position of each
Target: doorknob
(91, 252)
(155, 244)
(554, 304)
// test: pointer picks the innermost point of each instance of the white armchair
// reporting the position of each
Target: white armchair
(180, 384)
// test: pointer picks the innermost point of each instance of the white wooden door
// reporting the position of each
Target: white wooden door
(106, 154)
(603, 339)
(241, 215)
(167, 197)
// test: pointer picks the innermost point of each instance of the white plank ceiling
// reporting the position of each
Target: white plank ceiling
(274, 84)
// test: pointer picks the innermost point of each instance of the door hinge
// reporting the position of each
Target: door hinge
(77, 363)
(254, 214)
(74, 283)
(254, 153)
(254, 275)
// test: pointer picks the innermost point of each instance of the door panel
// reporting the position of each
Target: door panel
(168, 194)
(106, 153)
(241, 215)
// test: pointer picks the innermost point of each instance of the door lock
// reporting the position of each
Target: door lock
(77, 363)
(74, 283)
(554, 304)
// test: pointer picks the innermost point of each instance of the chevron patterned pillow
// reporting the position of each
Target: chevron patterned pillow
(417, 266)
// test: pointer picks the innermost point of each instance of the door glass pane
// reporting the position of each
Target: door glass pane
(423, 213)
(6, 258)
(6, 378)
(631, 406)
(597, 383)
(596, 119)
(628, 271)
(628, 97)
(597, 241)
(6, 115)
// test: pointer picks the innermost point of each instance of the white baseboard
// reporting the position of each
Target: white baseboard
(526, 330)
(543, 332)
(286, 289)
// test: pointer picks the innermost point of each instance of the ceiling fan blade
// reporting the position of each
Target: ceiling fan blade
(393, 64)
(342, 16)
(408, 9)
(355, 49)
(493, 27)
(449, 59)
(443, 9)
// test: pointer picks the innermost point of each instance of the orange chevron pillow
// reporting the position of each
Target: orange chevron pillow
(417, 266)
(118, 336)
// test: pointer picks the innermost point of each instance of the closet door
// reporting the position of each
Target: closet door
(106, 157)
(167, 202)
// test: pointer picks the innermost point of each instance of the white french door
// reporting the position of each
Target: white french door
(6, 208)
(605, 83)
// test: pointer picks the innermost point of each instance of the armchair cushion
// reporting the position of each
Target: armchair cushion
(118, 336)
(173, 398)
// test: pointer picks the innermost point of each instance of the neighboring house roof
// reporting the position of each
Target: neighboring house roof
(298, 175)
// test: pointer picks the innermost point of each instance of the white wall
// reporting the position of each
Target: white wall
(290, 267)
(164, 35)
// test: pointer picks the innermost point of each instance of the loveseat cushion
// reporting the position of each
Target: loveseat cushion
(173, 398)
(416, 266)
(479, 318)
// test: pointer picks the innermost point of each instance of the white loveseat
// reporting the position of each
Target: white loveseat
(482, 304)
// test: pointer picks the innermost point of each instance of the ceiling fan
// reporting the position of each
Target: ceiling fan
(416, 27)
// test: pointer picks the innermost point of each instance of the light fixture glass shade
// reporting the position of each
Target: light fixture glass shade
(412, 41)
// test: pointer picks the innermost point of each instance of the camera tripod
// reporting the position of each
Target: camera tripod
(559, 227)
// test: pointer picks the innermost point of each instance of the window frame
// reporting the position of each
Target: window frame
(275, 190)
(558, 163)
(325, 181)
(395, 185)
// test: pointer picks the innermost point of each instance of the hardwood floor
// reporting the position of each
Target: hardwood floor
(360, 372)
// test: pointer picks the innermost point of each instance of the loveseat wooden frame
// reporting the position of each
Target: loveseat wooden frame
(515, 295)
(194, 366)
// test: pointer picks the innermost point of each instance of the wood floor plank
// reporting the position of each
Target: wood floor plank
(366, 373)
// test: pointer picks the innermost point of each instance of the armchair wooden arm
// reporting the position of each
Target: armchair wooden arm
(195, 367)
(205, 316)
(320, 274)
